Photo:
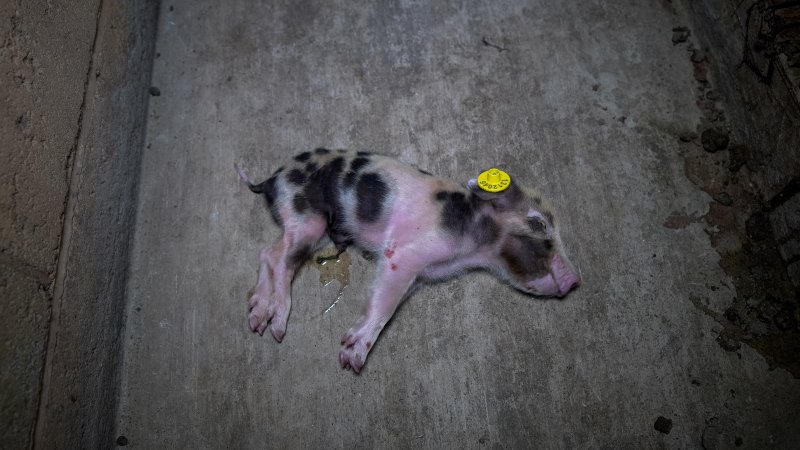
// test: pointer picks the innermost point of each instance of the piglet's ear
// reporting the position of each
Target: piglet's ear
(504, 200)
(539, 223)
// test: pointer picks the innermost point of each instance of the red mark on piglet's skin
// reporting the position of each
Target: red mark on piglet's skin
(394, 266)
(389, 252)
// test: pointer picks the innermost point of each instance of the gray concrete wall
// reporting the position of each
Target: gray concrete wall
(763, 113)
(74, 81)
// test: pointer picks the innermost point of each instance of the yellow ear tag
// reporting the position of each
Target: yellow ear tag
(493, 180)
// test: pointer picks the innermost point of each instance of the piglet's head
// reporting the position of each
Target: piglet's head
(529, 253)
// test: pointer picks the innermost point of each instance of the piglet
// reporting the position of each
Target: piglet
(419, 226)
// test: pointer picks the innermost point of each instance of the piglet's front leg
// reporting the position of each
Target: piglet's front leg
(390, 288)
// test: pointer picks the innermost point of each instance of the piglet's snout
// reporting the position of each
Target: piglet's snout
(565, 276)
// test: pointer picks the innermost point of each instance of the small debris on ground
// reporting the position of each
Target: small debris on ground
(488, 43)
(663, 425)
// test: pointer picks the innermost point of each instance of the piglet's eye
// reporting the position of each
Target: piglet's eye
(537, 225)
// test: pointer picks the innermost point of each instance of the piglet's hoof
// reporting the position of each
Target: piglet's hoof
(350, 359)
(354, 351)
(265, 313)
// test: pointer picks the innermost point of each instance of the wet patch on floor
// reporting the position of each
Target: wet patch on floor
(765, 314)
(333, 265)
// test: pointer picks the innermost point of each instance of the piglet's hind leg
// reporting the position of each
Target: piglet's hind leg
(271, 303)
(262, 304)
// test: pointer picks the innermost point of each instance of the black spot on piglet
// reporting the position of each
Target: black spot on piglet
(296, 176)
(267, 188)
(355, 166)
(371, 192)
(270, 190)
(486, 231)
(322, 191)
(300, 203)
(457, 211)
(358, 163)
(303, 157)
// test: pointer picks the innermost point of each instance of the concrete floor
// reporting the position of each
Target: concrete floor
(584, 100)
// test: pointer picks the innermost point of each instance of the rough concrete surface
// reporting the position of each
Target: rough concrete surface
(45, 52)
(74, 89)
(591, 102)
(84, 350)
